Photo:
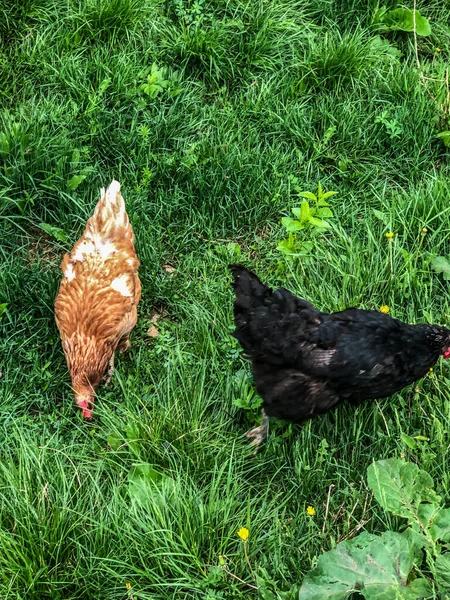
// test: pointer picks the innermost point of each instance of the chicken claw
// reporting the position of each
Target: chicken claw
(259, 434)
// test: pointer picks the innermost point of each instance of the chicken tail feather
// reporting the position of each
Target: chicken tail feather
(109, 215)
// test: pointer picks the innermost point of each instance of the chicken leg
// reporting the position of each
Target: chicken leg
(109, 371)
(259, 434)
(124, 344)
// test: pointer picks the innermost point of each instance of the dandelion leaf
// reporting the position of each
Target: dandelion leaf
(375, 566)
(400, 486)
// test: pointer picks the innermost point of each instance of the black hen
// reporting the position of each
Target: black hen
(306, 361)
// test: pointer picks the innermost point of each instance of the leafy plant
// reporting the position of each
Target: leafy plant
(308, 217)
(55, 232)
(144, 482)
(156, 82)
(389, 566)
(445, 137)
(402, 19)
(393, 127)
(248, 399)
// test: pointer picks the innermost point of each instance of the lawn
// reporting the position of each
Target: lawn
(213, 116)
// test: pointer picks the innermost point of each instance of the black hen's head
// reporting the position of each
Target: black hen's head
(438, 338)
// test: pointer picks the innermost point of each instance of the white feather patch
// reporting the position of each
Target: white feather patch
(86, 248)
(69, 273)
(112, 191)
(105, 249)
(120, 284)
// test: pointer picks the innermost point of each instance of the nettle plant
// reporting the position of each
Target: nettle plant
(309, 219)
(392, 566)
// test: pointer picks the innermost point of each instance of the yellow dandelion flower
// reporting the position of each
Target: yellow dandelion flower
(438, 49)
(128, 586)
(431, 369)
(243, 533)
(389, 235)
(311, 511)
(424, 230)
(384, 309)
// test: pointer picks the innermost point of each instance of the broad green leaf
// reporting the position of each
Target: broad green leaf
(286, 247)
(322, 202)
(292, 224)
(234, 248)
(3, 309)
(308, 196)
(295, 226)
(133, 434)
(444, 136)
(132, 431)
(400, 487)
(442, 566)
(380, 215)
(408, 441)
(318, 222)
(286, 221)
(4, 143)
(402, 19)
(144, 482)
(415, 590)
(304, 211)
(326, 138)
(377, 44)
(56, 232)
(327, 195)
(441, 265)
(427, 512)
(250, 403)
(423, 26)
(76, 154)
(104, 85)
(296, 212)
(240, 403)
(324, 213)
(114, 441)
(75, 181)
(376, 566)
(319, 190)
(440, 527)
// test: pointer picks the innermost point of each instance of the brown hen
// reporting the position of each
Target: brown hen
(95, 308)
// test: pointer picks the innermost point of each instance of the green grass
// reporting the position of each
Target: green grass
(252, 90)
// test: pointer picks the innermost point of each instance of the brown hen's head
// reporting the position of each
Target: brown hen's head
(84, 393)
(86, 403)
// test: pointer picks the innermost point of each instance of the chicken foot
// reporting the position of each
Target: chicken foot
(259, 434)
(124, 344)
